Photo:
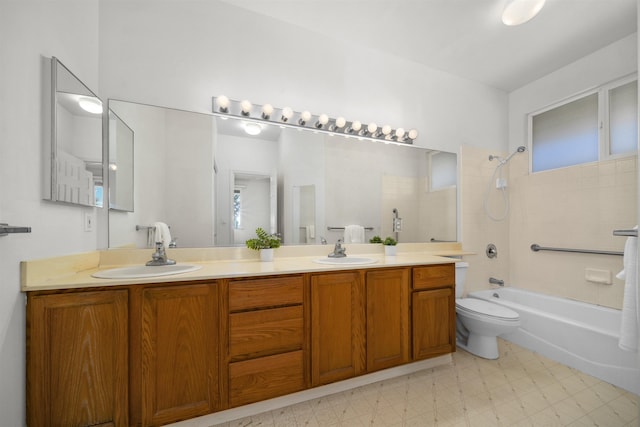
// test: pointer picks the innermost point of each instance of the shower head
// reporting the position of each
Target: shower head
(520, 149)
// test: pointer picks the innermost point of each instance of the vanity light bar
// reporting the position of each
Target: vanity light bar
(287, 118)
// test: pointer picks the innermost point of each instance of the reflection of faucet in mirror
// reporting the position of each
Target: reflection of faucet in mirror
(159, 257)
(338, 250)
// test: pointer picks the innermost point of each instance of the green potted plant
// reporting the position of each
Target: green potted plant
(265, 243)
(389, 246)
(375, 239)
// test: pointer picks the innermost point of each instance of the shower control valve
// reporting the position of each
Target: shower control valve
(492, 251)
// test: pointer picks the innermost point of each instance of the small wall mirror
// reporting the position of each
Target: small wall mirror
(73, 163)
(120, 164)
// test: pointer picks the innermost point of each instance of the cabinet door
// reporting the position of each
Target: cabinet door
(434, 324)
(179, 352)
(77, 363)
(337, 327)
(387, 294)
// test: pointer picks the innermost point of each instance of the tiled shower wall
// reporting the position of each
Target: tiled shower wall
(574, 207)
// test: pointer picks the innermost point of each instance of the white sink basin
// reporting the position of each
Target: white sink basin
(142, 271)
(346, 261)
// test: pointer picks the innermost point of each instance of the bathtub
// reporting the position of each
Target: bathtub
(580, 335)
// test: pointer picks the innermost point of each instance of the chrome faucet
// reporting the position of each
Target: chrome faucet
(338, 250)
(159, 257)
(495, 281)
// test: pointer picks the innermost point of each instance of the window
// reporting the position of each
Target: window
(237, 209)
(623, 118)
(587, 128)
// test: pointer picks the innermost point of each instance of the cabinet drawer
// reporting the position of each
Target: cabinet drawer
(434, 276)
(262, 293)
(265, 378)
(265, 331)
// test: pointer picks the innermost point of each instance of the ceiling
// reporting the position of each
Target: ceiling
(464, 37)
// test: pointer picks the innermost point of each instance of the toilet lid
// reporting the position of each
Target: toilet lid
(486, 308)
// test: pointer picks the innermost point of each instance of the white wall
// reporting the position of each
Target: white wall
(29, 29)
(188, 51)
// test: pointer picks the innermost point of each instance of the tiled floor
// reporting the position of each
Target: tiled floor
(521, 388)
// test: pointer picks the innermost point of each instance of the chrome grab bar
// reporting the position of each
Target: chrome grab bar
(630, 233)
(535, 247)
(6, 229)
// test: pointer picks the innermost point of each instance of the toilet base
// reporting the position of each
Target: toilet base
(480, 345)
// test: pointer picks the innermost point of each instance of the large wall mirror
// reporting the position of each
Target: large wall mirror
(213, 183)
(73, 156)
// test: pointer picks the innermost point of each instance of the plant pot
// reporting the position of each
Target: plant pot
(266, 254)
(389, 250)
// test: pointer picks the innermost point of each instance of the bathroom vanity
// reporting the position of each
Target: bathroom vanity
(156, 351)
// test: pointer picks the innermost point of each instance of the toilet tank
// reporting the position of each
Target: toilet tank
(461, 276)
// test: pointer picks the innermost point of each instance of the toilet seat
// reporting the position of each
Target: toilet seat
(484, 308)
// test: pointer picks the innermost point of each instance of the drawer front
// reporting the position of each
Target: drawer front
(263, 293)
(264, 378)
(263, 332)
(434, 276)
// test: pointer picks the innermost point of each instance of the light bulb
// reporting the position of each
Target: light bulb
(304, 118)
(372, 127)
(323, 119)
(386, 130)
(286, 114)
(399, 133)
(90, 105)
(267, 110)
(340, 122)
(223, 103)
(356, 126)
(246, 107)
(413, 134)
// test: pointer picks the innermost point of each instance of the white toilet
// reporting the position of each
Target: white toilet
(479, 322)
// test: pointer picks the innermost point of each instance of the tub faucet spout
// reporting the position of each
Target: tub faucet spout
(495, 281)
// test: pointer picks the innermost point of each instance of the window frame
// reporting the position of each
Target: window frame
(604, 143)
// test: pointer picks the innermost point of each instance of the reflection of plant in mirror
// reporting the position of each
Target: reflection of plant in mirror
(263, 241)
(375, 239)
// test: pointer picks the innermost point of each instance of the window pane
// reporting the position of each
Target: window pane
(623, 123)
(237, 209)
(444, 168)
(566, 135)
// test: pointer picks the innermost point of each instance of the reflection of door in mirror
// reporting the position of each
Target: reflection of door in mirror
(251, 206)
(304, 214)
(74, 157)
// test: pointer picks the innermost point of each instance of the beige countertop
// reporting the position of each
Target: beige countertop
(75, 271)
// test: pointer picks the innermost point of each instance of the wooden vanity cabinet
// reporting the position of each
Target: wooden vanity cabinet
(337, 326)
(387, 302)
(77, 358)
(174, 355)
(433, 311)
(266, 354)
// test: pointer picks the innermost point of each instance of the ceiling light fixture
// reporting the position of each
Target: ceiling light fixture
(518, 12)
(252, 128)
(255, 118)
(90, 105)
